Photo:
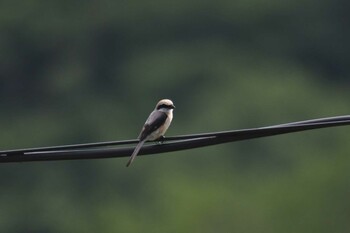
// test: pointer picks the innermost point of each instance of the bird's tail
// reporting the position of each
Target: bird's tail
(136, 151)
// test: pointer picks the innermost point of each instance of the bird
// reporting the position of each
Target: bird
(155, 126)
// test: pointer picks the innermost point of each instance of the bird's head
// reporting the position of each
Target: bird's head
(165, 105)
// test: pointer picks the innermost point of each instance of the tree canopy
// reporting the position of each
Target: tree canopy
(87, 71)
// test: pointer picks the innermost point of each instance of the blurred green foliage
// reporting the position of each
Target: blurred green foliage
(87, 71)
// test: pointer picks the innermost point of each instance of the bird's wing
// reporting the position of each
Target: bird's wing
(155, 120)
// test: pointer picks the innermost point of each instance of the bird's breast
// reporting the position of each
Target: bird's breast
(162, 129)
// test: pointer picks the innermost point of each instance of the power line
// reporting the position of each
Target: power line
(175, 143)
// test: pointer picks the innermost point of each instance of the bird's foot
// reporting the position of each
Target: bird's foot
(161, 140)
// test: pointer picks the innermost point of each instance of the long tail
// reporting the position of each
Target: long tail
(136, 151)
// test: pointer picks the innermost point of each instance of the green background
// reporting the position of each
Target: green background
(90, 71)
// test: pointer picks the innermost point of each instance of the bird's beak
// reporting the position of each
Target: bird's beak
(173, 106)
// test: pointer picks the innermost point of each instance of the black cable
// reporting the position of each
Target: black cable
(127, 142)
(67, 147)
(82, 151)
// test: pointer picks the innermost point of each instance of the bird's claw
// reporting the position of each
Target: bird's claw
(161, 140)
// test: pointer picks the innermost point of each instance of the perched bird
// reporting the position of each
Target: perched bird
(155, 126)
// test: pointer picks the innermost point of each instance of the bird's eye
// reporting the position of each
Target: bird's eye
(162, 106)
